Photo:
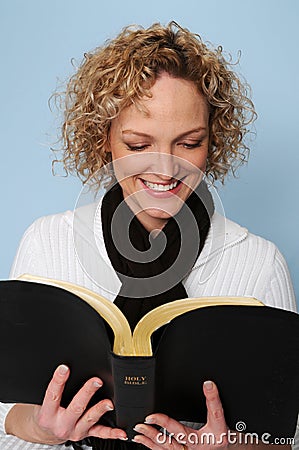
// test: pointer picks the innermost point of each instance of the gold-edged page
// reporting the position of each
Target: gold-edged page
(111, 313)
(165, 313)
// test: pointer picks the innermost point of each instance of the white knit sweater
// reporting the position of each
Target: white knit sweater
(233, 262)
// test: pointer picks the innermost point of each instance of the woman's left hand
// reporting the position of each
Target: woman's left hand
(212, 435)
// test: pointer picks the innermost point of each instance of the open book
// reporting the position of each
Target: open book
(249, 350)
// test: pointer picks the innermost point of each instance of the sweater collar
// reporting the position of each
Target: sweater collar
(87, 228)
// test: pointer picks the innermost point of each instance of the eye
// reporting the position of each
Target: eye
(137, 148)
(193, 145)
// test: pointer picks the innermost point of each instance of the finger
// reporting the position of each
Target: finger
(80, 401)
(104, 432)
(215, 416)
(154, 439)
(164, 421)
(52, 399)
(147, 442)
(92, 416)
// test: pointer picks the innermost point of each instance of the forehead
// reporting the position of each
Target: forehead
(173, 100)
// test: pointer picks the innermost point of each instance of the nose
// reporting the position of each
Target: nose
(166, 165)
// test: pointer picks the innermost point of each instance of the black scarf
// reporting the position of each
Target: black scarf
(172, 254)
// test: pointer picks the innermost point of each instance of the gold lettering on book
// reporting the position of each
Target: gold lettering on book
(135, 379)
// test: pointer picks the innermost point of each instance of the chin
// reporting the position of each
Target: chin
(158, 214)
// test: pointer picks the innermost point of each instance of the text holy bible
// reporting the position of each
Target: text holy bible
(250, 351)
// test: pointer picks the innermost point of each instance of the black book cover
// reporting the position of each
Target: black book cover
(250, 352)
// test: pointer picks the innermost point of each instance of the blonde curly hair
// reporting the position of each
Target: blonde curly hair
(124, 69)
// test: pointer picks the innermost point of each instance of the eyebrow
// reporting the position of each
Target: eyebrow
(137, 133)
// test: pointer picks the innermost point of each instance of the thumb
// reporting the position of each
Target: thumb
(215, 413)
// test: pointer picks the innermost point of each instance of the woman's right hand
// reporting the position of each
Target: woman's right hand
(52, 424)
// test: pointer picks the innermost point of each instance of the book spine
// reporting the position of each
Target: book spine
(134, 390)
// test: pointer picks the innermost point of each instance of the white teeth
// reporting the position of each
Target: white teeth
(161, 187)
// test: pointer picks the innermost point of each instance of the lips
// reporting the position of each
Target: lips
(161, 187)
(161, 190)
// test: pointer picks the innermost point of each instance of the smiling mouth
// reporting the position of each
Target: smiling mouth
(161, 187)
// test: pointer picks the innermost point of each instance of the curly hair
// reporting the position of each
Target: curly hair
(124, 69)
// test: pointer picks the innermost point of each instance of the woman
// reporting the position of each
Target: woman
(162, 93)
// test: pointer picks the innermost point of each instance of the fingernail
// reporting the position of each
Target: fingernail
(123, 438)
(97, 384)
(137, 438)
(109, 407)
(138, 427)
(149, 419)
(208, 385)
(63, 369)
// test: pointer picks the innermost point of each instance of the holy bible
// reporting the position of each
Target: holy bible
(249, 350)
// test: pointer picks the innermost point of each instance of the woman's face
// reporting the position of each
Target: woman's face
(168, 144)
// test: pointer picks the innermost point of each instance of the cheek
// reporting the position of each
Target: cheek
(129, 185)
(116, 152)
(200, 160)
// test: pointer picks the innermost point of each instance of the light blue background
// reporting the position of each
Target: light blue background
(40, 37)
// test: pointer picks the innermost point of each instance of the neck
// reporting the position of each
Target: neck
(150, 218)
